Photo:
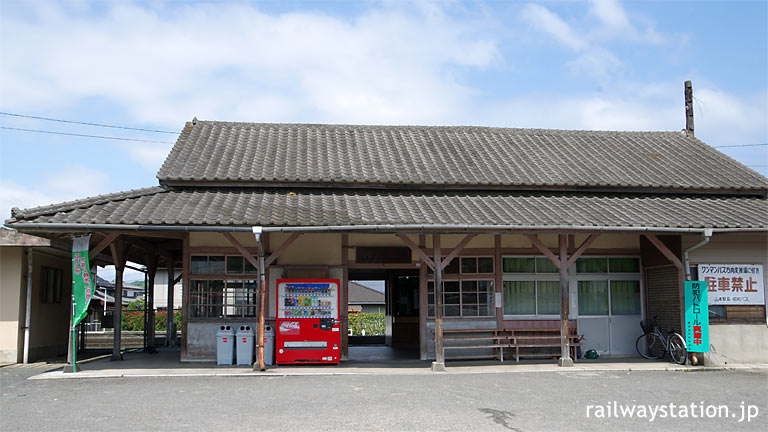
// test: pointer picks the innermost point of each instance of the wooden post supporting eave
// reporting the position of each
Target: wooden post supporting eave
(565, 354)
(117, 248)
(151, 264)
(170, 330)
(344, 294)
(439, 364)
(562, 263)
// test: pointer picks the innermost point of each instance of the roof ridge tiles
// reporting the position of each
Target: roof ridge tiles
(448, 127)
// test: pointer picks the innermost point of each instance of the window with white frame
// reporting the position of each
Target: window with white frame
(608, 286)
(531, 286)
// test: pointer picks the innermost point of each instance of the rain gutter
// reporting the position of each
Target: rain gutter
(73, 227)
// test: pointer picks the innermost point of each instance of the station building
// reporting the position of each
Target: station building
(512, 220)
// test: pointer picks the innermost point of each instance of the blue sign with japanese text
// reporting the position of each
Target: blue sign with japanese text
(696, 316)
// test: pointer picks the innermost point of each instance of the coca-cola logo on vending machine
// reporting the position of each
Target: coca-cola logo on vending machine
(289, 327)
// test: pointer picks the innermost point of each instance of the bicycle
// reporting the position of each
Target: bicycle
(654, 343)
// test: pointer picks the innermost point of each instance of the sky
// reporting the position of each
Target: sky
(598, 65)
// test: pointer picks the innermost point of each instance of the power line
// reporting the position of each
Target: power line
(85, 136)
(86, 123)
(742, 145)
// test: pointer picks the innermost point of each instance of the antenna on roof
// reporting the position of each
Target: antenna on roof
(689, 109)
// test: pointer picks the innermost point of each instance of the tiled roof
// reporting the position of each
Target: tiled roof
(465, 157)
(361, 294)
(313, 207)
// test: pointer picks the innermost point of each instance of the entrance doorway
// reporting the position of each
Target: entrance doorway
(401, 316)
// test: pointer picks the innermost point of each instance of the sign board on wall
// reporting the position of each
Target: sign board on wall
(696, 316)
(734, 284)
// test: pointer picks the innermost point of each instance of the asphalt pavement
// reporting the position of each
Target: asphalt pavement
(536, 401)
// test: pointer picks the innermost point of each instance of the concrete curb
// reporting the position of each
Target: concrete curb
(456, 370)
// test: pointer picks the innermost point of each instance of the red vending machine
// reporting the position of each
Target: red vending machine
(308, 326)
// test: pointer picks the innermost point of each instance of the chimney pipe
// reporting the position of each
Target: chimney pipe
(689, 109)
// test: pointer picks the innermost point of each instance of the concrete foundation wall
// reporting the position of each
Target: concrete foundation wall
(738, 343)
(201, 339)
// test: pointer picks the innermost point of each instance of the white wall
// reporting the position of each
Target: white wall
(735, 342)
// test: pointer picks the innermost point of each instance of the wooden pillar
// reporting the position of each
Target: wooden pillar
(497, 280)
(185, 284)
(423, 301)
(170, 330)
(565, 356)
(344, 293)
(150, 301)
(118, 258)
(439, 363)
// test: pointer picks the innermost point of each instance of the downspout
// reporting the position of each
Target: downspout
(707, 235)
(28, 309)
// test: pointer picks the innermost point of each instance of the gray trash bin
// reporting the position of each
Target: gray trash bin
(225, 345)
(269, 345)
(245, 345)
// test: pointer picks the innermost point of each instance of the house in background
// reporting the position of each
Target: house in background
(161, 289)
(363, 299)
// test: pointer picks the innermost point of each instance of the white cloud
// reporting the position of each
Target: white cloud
(545, 20)
(229, 61)
(53, 187)
(150, 156)
(594, 57)
(611, 13)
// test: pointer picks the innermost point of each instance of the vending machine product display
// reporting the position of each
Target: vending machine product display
(308, 326)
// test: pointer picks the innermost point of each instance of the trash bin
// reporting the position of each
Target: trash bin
(269, 345)
(245, 345)
(225, 345)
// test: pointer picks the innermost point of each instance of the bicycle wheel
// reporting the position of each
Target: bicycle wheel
(649, 346)
(677, 349)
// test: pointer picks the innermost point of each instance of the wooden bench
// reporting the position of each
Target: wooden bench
(500, 338)
(537, 338)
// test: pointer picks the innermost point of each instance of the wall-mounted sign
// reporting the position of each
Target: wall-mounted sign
(734, 284)
(696, 316)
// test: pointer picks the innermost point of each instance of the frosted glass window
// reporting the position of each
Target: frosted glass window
(593, 297)
(519, 297)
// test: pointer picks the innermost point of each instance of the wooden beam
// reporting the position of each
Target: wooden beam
(241, 249)
(108, 239)
(408, 242)
(178, 278)
(456, 251)
(665, 250)
(580, 250)
(276, 254)
(543, 249)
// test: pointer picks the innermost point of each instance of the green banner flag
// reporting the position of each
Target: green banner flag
(82, 283)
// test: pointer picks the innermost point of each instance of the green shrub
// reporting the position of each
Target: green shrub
(133, 318)
(373, 323)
